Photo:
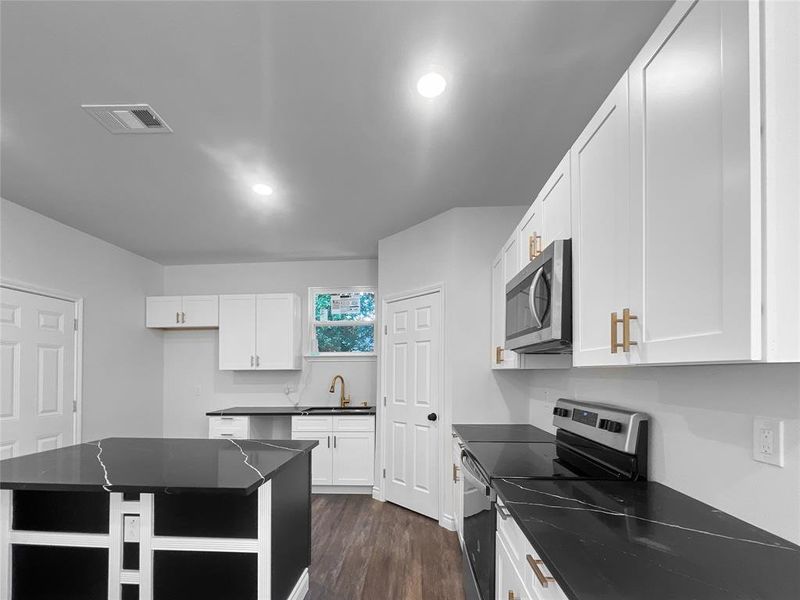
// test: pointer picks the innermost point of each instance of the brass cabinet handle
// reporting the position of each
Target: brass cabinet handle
(512, 595)
(538, 245)
(627, 317)
(455, 473)
(615, 321)
(498, 355)
(534, 563)
(532, 246)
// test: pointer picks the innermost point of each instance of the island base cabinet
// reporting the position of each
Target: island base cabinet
(194, 546)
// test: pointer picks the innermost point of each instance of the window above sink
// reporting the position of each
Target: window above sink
(341, 323)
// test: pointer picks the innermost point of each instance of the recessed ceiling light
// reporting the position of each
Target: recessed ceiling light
(431, 85)
(262, 189)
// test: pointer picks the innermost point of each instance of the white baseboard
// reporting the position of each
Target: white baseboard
(300, 588)
(341, 489)
(376, 494)
(448, 522)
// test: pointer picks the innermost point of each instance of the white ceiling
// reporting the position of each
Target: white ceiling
(315, 98)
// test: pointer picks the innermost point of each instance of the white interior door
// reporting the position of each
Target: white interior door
(412, 383)
(37, 380)
(237, 332)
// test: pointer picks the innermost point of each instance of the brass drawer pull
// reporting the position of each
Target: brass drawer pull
(498, 355)
(455, 474)
(534, 563)
(615, 321)
(627, 317)
(532, 246)
(512, 595)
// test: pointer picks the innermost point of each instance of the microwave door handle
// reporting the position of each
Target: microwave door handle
(531, 302)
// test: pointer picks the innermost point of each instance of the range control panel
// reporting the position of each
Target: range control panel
(610, 425)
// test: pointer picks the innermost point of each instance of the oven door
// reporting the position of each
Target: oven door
(479, 530)
(539, 303)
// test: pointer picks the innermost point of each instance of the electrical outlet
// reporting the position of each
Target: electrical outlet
(768, 441)
(130, 529)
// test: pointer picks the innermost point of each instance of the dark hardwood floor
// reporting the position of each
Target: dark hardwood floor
(362, 549)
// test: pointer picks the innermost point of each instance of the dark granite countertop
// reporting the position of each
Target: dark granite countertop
(153, 465)
(502, 433)
(277, 411)
(637, 540)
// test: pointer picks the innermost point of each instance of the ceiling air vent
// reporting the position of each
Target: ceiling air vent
(128, 118)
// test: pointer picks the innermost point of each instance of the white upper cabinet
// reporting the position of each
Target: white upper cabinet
(548, 217)
(695, 179)
(511, 264)
(167, 312)
(278, 331)
(259, 332)
(601, 233)
(501, 358)
(237, 332)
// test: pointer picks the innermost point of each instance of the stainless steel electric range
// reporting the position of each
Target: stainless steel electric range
(592, 442)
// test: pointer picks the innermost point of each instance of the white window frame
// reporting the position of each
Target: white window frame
(312, 353)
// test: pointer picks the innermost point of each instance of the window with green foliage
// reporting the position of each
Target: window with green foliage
(342, 320)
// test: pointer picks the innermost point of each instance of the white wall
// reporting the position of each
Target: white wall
(193, 383)
(701, 432)
(122, 361)
(456, 249)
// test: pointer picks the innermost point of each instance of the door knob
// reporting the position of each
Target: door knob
(432, 417)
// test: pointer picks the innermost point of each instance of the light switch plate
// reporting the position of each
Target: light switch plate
(768, 441)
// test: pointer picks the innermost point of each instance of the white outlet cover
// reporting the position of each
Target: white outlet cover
(764, 424)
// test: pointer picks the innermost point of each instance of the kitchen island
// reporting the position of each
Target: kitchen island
(148, 518)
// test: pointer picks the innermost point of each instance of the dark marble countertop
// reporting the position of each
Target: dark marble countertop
(636, 540)
(153, 465)
(502, 433)
(278, 411)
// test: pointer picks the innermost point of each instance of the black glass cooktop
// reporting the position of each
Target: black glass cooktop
(535, 461)
(502, 433)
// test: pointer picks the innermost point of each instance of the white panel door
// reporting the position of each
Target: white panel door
(556, 201)
(601, 232)
(200, 311)
(237, 332)
(37, 376)
(353, 457)
(412, 381)
(276, 336)
(696, 205)
(163, 311)
(321, 457)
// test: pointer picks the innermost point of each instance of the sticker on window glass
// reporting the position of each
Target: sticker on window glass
(345, 304)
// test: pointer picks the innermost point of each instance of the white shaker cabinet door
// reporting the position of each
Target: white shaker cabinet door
(237, 332)
(163, 311)
(353, 458)
(321, 456)
(278, 331)
(601, 233)
(501, 358)
(200, 311)
(695, 135)
(530, 240)
(556, 200)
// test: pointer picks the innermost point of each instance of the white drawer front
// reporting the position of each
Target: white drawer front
(347, 423)
(525, 559)
(312, 423)
(235, 427)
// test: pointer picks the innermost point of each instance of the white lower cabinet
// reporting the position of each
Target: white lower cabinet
(519, 571)
(458, 491)
(236, 428)
(321, 457)
(346, 452)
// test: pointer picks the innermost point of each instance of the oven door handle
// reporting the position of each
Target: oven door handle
(470, 475)
(531, 298)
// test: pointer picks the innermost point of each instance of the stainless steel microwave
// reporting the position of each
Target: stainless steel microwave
(539, 303)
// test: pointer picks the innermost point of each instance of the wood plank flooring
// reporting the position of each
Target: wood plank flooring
(362, 549)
